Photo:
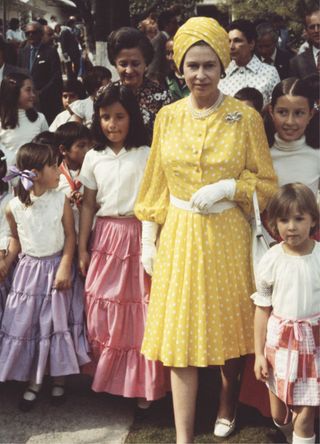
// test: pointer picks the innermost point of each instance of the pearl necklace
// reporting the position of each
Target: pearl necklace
(208, 111)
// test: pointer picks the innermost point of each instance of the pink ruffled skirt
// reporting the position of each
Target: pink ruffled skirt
(116, 300)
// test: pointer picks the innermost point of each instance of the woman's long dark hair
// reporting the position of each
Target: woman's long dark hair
(9, 100)
(115, 92)
(294, 87)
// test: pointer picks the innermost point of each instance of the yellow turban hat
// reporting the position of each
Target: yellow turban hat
(201, 28)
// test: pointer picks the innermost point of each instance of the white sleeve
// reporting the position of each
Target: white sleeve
(264, 281)
(86, 176)
(77, 108)
(43, 124)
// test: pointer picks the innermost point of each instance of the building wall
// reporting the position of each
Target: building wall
(27, 10)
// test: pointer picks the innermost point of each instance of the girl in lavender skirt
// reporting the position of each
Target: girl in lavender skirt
(42, 325)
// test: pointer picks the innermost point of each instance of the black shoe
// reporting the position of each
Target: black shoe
(25, 405)
(57, 400)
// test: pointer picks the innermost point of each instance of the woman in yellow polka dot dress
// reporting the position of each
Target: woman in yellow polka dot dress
(209, 154)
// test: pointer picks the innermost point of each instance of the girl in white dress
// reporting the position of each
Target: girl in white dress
(19, 121)
(42, 328)
(287, 317)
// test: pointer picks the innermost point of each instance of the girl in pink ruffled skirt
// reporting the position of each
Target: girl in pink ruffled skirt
(116, 286)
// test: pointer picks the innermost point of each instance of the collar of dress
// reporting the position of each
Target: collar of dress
(254, 66)
(282, 145)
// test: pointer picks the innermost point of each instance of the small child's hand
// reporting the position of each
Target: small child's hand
(84, 261)
(63, 279)
(261, 368)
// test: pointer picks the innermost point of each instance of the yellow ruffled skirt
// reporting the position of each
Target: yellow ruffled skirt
(200, 312)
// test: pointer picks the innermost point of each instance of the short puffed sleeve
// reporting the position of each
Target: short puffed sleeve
(265, 278)
(86, 176)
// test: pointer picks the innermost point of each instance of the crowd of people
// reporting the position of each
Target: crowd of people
(126, 207)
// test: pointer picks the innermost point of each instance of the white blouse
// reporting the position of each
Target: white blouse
(84, 110)
(4, 225)
(40, 227)
(60, 119)
(290, 284)
(24, 132)
(296, 162)
(116, 177)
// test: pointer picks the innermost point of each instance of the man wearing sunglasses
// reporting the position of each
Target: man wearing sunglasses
(308, 62)
(43, 63)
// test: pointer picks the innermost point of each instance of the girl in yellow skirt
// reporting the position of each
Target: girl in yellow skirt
(209, 154)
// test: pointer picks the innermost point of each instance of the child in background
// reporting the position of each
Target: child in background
(83, 109)
(73, 141)
(251, 97)
(116, 287)
(174, 80)
(19, 120)
(72, 90)
(287, 318)
(294, 138)
(41, 330)
(5, 197)
(291, 128)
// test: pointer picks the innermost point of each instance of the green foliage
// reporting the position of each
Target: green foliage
(291, 11)
(143, 7)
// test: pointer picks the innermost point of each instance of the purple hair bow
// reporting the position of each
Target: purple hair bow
(26, 177)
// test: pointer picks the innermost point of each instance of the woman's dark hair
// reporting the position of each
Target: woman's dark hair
(294, 87)
(33, 156)
(9, 100)
(74, 86)
(203, 43)
(290, 197)
(128, 38)
(253, 95)
(94, 78)
(115, 92)
(14, 23)
(246, 27)
(3, 171)
(68, 133)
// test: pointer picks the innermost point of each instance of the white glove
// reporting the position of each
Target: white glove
(208, 195)
(149, 251)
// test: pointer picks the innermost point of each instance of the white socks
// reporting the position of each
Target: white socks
(299, 440)
(28, 395)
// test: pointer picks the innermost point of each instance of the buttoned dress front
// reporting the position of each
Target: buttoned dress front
(200, 312)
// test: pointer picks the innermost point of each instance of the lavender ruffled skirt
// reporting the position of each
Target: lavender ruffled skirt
(42, 329)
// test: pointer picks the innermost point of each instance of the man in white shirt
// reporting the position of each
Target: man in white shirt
(308, 62)
(245, 69)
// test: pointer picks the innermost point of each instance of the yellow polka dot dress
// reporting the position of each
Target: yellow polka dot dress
(200, 311)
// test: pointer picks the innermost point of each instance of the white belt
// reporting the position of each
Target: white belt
(218, 207)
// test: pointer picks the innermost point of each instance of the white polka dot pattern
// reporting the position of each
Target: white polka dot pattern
(200, 311)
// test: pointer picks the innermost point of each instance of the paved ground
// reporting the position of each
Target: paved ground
(85, 418)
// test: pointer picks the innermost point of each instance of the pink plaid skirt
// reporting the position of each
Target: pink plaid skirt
(293, 354)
